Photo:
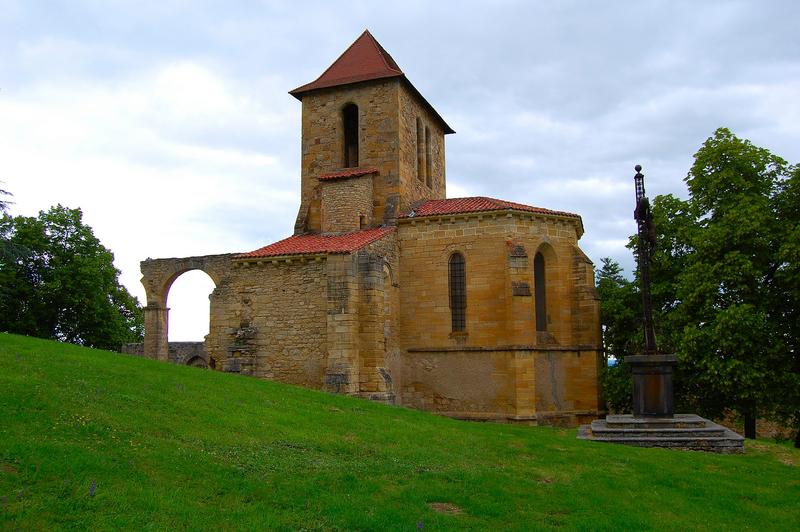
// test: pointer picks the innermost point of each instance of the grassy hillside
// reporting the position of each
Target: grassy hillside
(90, 439)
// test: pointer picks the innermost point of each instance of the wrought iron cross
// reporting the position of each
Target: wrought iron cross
(647, 243)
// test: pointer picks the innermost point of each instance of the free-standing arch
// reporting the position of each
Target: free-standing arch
(157, 278)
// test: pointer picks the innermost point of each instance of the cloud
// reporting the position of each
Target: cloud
(149, 162)
(169, 123)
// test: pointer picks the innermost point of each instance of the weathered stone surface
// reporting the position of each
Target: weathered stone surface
(184, 353)
(547, 378)
(347, 204)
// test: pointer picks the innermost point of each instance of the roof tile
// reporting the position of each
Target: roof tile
(350, 172)
(475, 204)
(312, 244)
(364, 60)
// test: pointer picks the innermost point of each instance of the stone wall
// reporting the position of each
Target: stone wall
(323, 144)
(378, 317)
(191, 353)
(500, 344)
(388, 113)
(133, 349)
(413, 182)
(474, 384)
(268, 320)
(344, 202)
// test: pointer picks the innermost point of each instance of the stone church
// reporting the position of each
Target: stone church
(476, 308)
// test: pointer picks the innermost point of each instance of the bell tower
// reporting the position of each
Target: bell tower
(371, 144)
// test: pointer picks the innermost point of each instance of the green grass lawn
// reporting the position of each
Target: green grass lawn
(91, 439)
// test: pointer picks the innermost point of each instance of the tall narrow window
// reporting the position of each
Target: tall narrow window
(539, 292)
(420, 151)
(427, 156)
(350, 116)
(458, 292)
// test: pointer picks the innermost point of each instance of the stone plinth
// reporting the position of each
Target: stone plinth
(652, 384)
(681, 431)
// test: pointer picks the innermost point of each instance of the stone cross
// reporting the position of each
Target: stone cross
(647, 243)
(652, 371)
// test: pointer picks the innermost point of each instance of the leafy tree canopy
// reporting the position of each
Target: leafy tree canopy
(58, 281)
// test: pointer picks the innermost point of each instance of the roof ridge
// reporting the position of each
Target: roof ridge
(340, 56)
(367, 38)
(319, 243)
(385, 56)
(449, 206)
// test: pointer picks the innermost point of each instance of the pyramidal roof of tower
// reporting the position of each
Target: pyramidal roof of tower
(364, 60)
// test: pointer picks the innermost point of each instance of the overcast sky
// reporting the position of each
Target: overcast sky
(170, 125)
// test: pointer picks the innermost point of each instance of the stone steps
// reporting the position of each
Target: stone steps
(684, 431)
(677, 421)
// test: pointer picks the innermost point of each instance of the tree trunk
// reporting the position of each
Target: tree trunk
(750, 426)
(797, 438)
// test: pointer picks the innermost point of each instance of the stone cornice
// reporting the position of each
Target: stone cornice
(490, 215)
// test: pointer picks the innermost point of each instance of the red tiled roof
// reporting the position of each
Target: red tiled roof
(350, 172)
(316, 243)
(475, 204)
(364, 60)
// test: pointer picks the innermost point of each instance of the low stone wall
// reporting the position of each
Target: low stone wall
(132, 349)
(184, 353)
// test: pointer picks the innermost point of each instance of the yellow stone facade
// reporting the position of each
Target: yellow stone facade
(374, 320)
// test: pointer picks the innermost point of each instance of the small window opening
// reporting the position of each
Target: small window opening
(350, 116)
(362, 221)
(420, 151)
(539, 292)
(428, 157)
(458, 292)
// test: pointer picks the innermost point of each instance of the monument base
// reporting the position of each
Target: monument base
(679, 431)
(652, 384)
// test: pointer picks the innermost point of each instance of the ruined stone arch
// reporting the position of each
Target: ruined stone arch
(157, 278)
(197, 362)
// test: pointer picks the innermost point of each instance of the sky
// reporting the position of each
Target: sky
(169, 123)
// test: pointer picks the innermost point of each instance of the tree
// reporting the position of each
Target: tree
(620, 317)
(4, 203)
(785, 285)
(60, 282)
(731, 340)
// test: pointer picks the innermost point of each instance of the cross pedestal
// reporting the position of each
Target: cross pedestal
(652, 384)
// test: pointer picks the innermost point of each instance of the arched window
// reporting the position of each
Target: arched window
(539, 292)
(420, 151)
(458, 292)
(350, 119)
(427, 156)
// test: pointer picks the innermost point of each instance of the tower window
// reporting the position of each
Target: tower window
(539, 292)
(427, 156)
(350, 116)
(458, 292)
(420, 151)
